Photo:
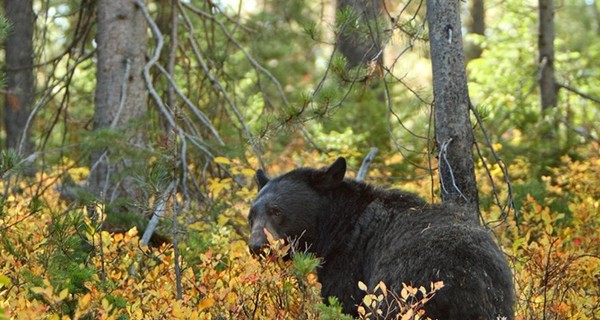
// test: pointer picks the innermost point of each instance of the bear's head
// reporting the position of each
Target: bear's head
(288, 206)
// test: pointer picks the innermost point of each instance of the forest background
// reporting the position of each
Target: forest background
(127, 175)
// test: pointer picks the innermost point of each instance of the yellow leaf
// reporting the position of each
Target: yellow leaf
(37, 290)
(132, 232)
(383, 288)
(231, 298)
(106, 305)
(222, 220)
(63, 294)
(206, 303)
(217, 185)
(84, 301)
(116, 275)
(248, 172)
(362, 286)
(404, 293)
(222, 160)
(367, 300)
(408, 315)
(177, 313)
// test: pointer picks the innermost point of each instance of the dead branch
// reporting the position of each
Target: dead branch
(364, 167)
(577, 92)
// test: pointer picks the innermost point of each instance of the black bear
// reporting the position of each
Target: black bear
(371, 235)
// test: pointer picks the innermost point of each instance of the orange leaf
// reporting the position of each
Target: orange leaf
(206, 303)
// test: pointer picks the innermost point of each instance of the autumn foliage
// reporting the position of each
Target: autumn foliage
(57, 262)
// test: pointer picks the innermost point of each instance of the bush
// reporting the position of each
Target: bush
(56, 262)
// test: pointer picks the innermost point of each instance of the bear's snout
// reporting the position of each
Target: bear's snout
(256, 247)
(261, 231)
(258, 238)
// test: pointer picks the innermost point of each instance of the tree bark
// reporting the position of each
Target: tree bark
(120, 95)
(546, 35)
(353, 43)
(596, 15)
(476, 25)
(20, 85)
(453, 133)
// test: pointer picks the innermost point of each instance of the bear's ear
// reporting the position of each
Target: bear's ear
(331, 177)
(261, 178)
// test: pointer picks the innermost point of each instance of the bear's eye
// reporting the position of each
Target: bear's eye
(274, 212)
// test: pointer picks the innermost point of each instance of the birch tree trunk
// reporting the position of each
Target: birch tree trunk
(120, 92)
(546, 79)
(19, 74)
(453, 133)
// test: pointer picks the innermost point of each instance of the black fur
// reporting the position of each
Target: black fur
(371, 235)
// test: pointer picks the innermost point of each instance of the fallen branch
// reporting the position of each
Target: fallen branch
(364, 167)
(158, 211)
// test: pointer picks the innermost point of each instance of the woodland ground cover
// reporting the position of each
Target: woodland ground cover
(231, 83)
(56, 262)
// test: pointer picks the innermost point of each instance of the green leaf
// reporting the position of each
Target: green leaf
(4, 281)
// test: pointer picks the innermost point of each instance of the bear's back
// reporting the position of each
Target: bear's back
(426, 244)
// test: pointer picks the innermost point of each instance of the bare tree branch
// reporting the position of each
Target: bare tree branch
(577, 92)
(505, 209)
(364, 167)
(250, 59)
(159, 209)
(153, 61)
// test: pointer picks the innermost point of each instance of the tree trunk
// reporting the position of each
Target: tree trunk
(476, 26)
(596, 15)
(453, 133)
(20, 85)
(360, 41)
(120, 91)
(546, 80)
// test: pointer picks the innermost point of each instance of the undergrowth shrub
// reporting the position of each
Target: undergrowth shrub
(55, 262)
(555, 254)
(406, 304)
